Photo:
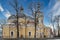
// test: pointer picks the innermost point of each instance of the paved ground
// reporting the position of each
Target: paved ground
(53, 39)
(30, 39)
(33, 39)
(45, 39)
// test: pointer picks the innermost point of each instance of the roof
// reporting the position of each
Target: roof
(12, 17)
(29, 18)
(15, 16)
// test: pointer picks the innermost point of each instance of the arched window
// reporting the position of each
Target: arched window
(29, 33)
(11, 33)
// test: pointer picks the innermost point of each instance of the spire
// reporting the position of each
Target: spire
(38, 6)
(21, 8)
(21, 12)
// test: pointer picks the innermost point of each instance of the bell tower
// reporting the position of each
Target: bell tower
(40, 18)
(39, 14)
(21, 10)
(40, 25)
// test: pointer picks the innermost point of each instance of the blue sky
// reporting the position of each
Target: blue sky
(48, 6)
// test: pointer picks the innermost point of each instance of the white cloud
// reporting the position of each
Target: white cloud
(1, 8)
(55, 6)
(50, 25)
(56, 9)
(7, 14)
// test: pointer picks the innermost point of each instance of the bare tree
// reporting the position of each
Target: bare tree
(15, 6)
(34, 8)
(52, 21)
(57, 18)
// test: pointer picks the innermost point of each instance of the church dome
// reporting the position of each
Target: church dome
(21, 15)
(12, 17)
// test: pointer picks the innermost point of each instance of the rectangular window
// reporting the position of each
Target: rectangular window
(29, 33)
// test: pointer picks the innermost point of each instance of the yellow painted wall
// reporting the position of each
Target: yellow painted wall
(14, 29)
(5, 31)
(22, 32)
(32, 30)
(47, 31)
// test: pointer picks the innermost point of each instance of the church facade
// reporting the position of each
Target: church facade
(26, 26)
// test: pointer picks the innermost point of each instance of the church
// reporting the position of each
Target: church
(26, 26)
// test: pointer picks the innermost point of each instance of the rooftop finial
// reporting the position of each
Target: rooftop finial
(38, 5)
(21, 8)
